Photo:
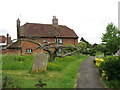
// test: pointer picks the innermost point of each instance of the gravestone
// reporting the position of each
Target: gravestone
(40, 63)
(118, 53)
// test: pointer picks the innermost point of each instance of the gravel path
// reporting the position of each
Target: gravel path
(89, 77)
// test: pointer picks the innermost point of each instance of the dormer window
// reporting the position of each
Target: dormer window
(28, 51)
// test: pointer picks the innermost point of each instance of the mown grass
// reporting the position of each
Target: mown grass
(16, 62)
(64, 75)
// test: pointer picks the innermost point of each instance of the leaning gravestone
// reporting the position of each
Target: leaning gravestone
(118, 53)
(40, 63)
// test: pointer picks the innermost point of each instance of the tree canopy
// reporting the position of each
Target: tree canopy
(111, 39)
(87, 43)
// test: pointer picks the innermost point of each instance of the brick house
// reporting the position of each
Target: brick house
(4, 41)
(42, 33)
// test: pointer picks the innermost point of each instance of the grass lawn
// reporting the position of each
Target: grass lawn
(62, 73)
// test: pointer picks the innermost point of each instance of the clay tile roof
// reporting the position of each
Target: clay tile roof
(14, 45)
(2, 39)
(46, 30)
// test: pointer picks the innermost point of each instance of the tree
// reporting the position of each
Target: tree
(87, 43)
(53, 49)
(83, 46)
(110, 38)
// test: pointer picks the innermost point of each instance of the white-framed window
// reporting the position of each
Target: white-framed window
(29, 51)
(58, 40)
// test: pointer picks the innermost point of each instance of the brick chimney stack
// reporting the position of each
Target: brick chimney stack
(18, 29)
(55, 21)
(7, 39)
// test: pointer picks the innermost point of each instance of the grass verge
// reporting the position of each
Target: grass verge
(62, 73)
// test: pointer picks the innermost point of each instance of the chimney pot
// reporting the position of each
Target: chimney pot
(55, 21)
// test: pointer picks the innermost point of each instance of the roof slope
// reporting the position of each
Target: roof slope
(14, 45)
(46, 30)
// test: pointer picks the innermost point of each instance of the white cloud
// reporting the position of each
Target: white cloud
(88, 18)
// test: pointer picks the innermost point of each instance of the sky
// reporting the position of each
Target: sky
(88, 18)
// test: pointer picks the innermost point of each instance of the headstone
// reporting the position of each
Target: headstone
(40, 63)
(118, 53)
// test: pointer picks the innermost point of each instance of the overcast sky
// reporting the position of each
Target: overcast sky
(88, 18)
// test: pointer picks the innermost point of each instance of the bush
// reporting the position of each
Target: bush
(70, 48)
(99, 55)
(112, 84)
(92, 52)
(110, 68)
(98, 61)
(108, 53)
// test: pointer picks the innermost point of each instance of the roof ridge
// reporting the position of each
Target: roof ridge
(2, 35)
(42, 24)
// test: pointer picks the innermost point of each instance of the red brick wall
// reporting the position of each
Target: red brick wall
(76, 41)
(11, 51)
(28, 45)
(70, 41)
(52, 40)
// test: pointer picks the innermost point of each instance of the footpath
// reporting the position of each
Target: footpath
(88, 75)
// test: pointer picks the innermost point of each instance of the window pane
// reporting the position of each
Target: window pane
(28, 50)
(60, 40)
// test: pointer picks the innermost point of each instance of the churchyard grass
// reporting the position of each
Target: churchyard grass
(62, 73)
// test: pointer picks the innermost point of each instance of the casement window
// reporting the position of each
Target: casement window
(58, 40)
(29, 51)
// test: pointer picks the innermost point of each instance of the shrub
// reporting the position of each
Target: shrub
(112, 84)
(70, 48)
(99, 55)
(98, 61)
(111, 68)
(92, 52)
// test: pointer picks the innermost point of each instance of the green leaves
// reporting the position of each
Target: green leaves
(110, 38)
(111, 66)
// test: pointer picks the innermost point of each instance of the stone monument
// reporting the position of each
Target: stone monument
(40, 63)
(118, 53)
